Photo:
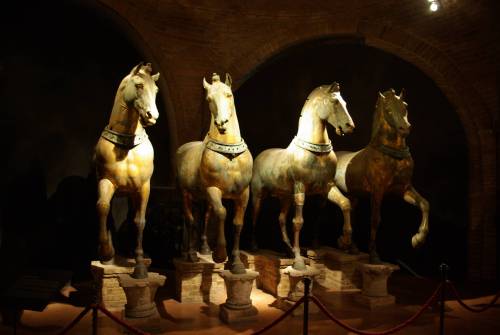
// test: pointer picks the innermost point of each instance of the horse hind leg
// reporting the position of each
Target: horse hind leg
(191, 228)
(257, 196)
(214, 196)
(105, 192)
(376, 201)
(298, 221)
(241, 203)
(205, 249)
(285, 207)
(413, 197)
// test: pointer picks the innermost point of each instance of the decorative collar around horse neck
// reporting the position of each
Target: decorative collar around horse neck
(394, 153)
(313, 147)
(232, 149)
(126, 140)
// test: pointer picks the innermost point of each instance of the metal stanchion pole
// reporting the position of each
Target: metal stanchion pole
(307, 283)
(94, 320)
(444, 275)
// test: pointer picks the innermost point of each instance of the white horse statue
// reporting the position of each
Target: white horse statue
(124, 157)
(219, 167)
(307, 166)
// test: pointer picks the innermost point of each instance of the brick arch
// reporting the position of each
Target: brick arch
(471, 110)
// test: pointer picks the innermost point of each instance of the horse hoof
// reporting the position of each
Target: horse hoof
(106, 254)
(140, 271)
(299, 265)
(205, 250)
(220, 255)
(342, 245)
(238, 269)
(417, 240)
(192, 257)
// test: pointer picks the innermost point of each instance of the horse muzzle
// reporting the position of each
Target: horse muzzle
(347, 129)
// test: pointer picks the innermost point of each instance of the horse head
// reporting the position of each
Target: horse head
(139, 92)
(334, 110)
(393, 111)
(220, 100)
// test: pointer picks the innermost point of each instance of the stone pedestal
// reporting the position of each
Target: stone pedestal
(199, 282)
(374, 293)
(140, 309)
(111, 294)
(297, 289)
(271, 267)
(238, 306)
(338, 270)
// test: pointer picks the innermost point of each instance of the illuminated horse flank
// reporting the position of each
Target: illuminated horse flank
(124, 157)
(306, 166)
(385, 166)
(219, 167)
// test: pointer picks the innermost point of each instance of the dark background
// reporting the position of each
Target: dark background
(60, 65)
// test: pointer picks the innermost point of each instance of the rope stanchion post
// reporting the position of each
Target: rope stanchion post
(94, 319)
(444, 279)
(305, 325)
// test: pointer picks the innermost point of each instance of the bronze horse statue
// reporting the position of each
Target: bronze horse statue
(124, 157)
(219, 167)
(385, 166)
(306, 166)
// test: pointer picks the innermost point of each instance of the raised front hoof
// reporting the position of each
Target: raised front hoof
(418, 240)
(140, 271)
(219, 255)
(299, 264)
(374, 258)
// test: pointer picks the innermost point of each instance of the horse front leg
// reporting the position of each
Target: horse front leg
(141, 204)
(376, 201)
(187, 201)
(205, 249)
(105, 192)
(411, 196)
(298, 221)
(214, 197)
(241, 204)
(345, 241)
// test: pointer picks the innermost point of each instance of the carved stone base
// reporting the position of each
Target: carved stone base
(374, 293)
(111, 294)
(296, 291)
(271, 267)
(338, 270)
(238, 306)
(140, 294)
(199, 282)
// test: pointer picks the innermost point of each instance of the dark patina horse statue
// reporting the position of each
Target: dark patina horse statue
(385, 166)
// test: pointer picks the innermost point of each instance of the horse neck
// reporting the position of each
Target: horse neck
(124, 119)
(232, 134)
(311, 127)
(384, 134)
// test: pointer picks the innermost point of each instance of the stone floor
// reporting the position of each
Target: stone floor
(177, 318)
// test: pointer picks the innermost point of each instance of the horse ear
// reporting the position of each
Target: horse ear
(381, 96)
(335, 87)
(155, 77)
(229, 80)
(402, 94)
(137, 68)
(206, 85)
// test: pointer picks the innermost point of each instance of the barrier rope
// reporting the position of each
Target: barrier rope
(121, 322)
(284, 315)
(472, 309)
(344, 325)
(75, 321)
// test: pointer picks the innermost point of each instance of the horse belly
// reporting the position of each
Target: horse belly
(343, 164)
(271, 172)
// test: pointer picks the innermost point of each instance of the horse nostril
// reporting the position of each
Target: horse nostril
(148, 114)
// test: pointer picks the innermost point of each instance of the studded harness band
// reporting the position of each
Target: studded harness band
(313, 147)
(225, 148)
(126, 140)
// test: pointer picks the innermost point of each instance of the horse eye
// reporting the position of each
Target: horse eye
(229, 95)
(139, 85)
